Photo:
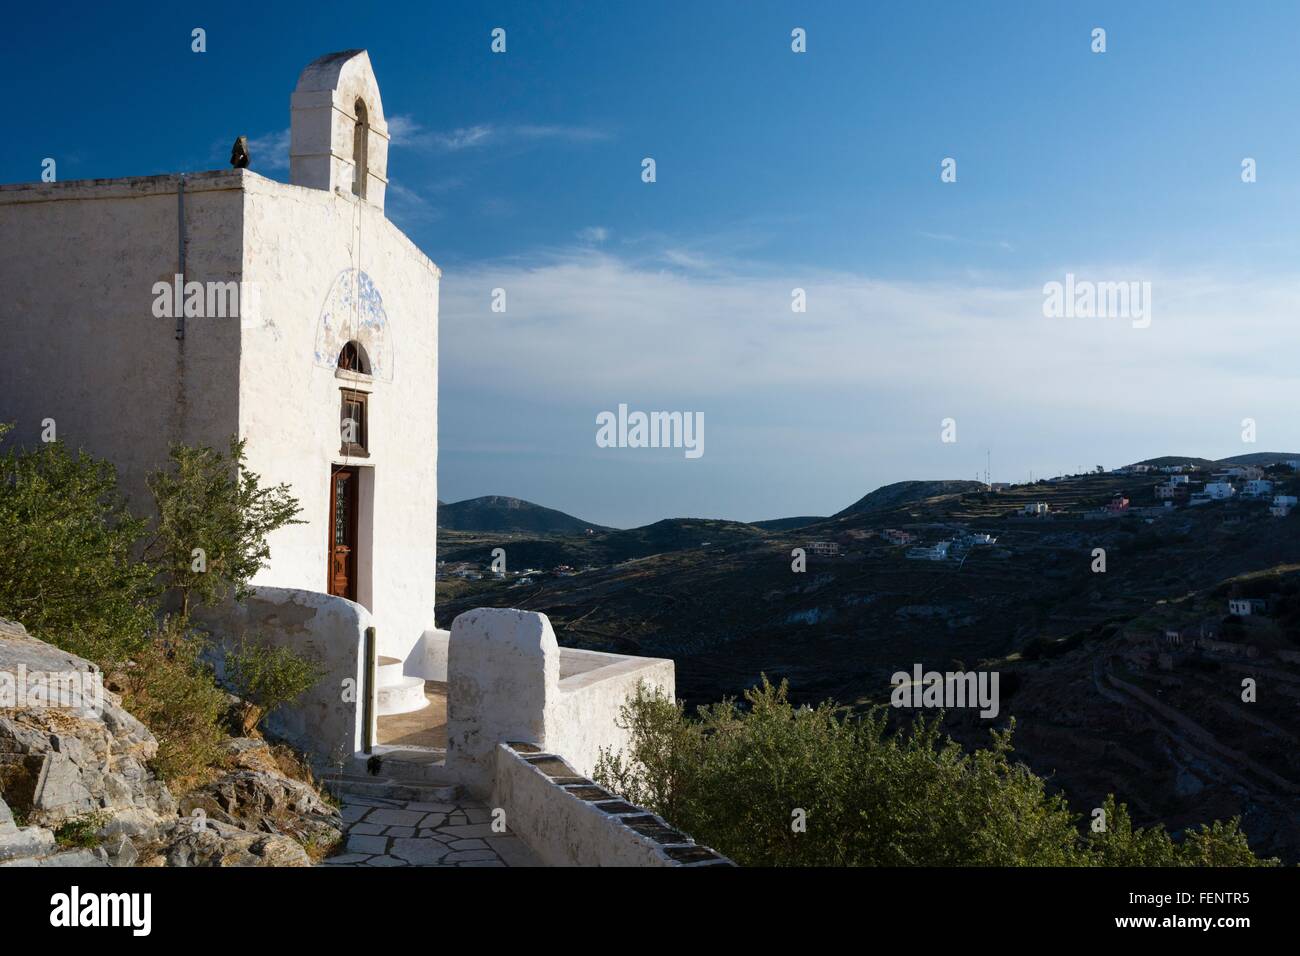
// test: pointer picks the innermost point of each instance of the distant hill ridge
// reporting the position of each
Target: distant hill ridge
(503, 514)
(1251, 458)
(905, 492)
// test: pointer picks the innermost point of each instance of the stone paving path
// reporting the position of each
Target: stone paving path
(384, 832)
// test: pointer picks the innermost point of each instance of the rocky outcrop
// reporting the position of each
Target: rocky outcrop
(256, 796)
(76, 788)
(212, 843)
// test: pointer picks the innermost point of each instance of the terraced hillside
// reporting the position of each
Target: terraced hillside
(732, 609)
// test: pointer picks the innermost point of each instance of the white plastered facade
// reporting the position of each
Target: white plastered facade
(82, 260)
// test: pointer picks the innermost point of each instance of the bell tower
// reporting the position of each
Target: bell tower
(338, 139)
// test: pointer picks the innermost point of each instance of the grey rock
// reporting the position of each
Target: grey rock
(217, 844)
(63, 763)
(123, 853)
(267, 802)
(75, 858)
(26, 842)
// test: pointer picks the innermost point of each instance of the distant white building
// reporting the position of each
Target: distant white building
(1245, 607)
(1178, 479)
(1282, 505)
(1219, 490)
(1244, 471)
(1034, 509)
(1169, 492)
(1258, 488)
(936, 552)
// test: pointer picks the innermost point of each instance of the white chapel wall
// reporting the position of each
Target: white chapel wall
(300, 244)
(80, 262)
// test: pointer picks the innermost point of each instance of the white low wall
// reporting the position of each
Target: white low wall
(327, 719)
(567, 821)
(503, 677)
(585, 717)
(428, 659)
(508, 680)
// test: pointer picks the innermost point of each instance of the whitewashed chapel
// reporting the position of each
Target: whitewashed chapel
(145, 311)
(338, 320)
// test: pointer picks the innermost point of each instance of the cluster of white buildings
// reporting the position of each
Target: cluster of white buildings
(955, 547)
(1238, 481)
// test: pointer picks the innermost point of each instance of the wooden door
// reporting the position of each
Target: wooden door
(342, 567)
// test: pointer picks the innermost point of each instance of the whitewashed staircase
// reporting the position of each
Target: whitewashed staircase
(395, 692)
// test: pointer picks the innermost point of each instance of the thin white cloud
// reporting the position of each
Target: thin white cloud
(406, 131)
(584, 323)
(593, 234)
(574, 134)
(462, 138)
(408, 207)
(401, 128)
(269, 151)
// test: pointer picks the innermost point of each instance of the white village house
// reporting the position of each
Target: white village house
(118, 296)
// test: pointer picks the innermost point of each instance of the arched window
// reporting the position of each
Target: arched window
(353, 358)
(360, 145)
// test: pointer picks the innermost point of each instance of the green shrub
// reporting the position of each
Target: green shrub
(83, 831)
(743, 779)
(69, 556)
(83, 573)
(264, 677)
(173, 693)
(213, 521)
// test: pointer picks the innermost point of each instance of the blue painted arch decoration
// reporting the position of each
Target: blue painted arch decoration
(354, 311)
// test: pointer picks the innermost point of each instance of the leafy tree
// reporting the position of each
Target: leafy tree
(213, 521)
(69, 568)
(81, 572)
(774, 785)
(264, 677)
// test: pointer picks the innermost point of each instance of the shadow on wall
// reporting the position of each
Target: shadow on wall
(327, 719)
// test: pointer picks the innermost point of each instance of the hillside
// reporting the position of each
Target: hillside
(734, 610)
(906, 492)
(501, 514)
(1252, 458)
(786, 524)
(604, 548)
(1260, 458)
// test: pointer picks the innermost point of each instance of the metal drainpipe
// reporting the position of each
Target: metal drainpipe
(180, 234)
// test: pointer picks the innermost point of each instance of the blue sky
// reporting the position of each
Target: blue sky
(775, 170)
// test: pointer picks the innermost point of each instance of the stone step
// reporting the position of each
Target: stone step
(396, 763)
(402, 697)
(388, 672)
(387, 788)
